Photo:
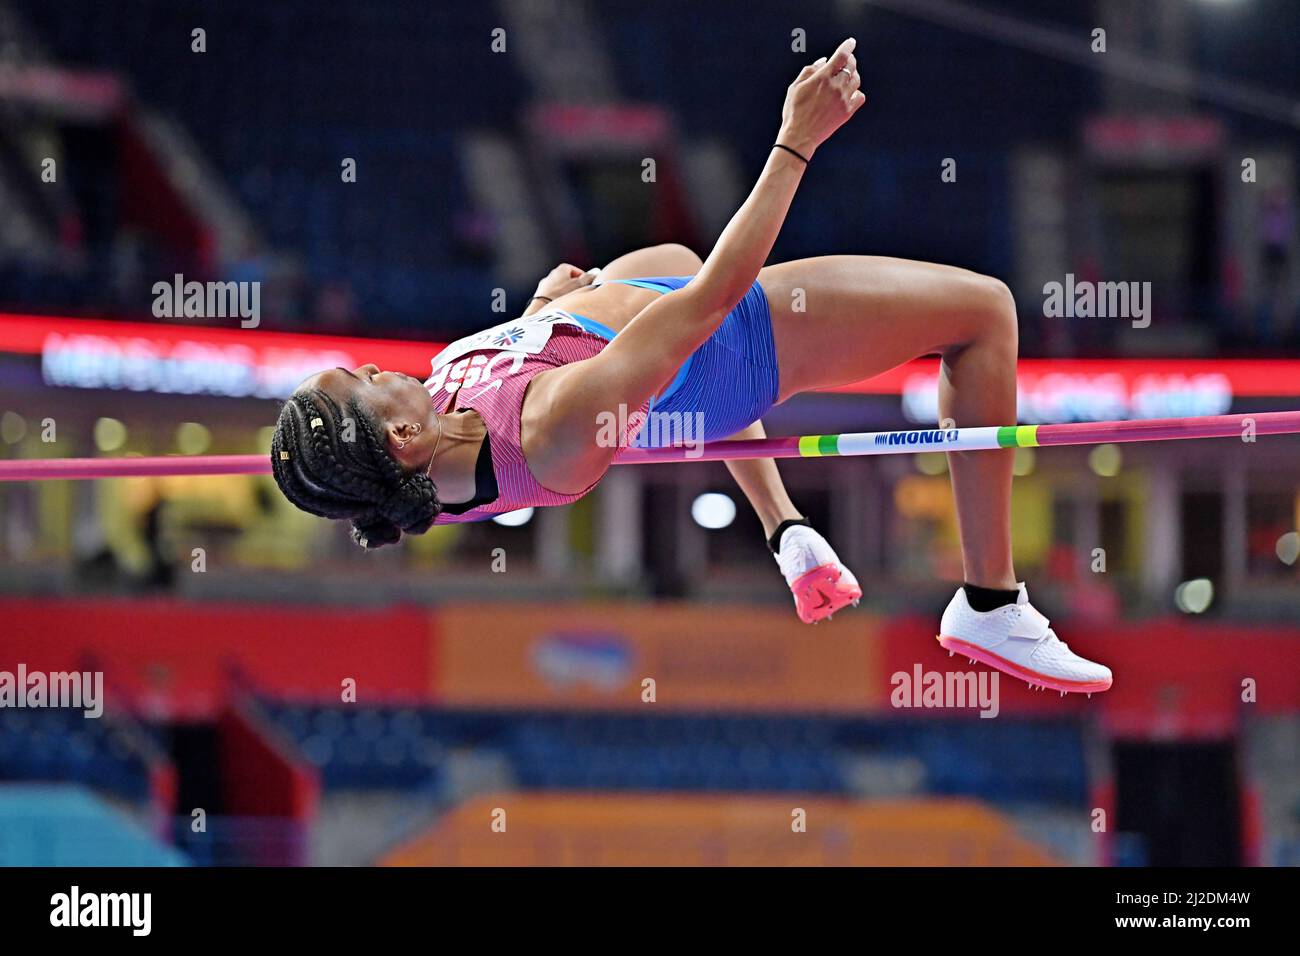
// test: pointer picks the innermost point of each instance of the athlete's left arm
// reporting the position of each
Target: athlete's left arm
(646, 354)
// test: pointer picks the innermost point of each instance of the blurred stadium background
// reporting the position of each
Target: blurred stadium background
(478, 690)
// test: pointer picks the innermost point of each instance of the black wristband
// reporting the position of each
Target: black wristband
(542, 297)
(791, 152)
(774, 542)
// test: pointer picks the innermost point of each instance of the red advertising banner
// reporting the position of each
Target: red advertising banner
(173, 357)
(176, 659)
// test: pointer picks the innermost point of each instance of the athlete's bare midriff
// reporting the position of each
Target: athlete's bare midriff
(613, 305)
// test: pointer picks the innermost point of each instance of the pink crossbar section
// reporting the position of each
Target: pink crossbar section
(1083, 433)
(1166, 429)
(32, 469)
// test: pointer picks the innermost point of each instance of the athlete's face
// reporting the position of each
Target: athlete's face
(399, 403)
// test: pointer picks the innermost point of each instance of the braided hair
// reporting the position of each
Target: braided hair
(324, 473)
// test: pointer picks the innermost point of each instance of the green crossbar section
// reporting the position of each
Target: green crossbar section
(1018, 436)
(819, 446)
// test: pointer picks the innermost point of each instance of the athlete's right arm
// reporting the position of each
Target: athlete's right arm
(647, 353)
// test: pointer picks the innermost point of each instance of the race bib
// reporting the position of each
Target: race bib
(528, 335)
(524, 336)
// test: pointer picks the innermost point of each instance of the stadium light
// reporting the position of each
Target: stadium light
(514, 519)
(713, 510)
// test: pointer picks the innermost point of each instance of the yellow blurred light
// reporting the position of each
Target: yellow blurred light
(110, 434)
(1105, 460)
(264, 437)
(12, 428)
(193, 438)
(1024, 462)
(932, 463)
(907, 498)
(917, 497)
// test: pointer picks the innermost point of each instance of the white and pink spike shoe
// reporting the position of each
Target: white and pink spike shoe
(820, 584)
(1017, 640)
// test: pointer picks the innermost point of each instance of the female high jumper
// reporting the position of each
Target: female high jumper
(520, 413)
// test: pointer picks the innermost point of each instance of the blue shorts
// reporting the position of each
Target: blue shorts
(730, 381)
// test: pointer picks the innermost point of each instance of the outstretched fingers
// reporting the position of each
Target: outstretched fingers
(841, 71)
(842, 59)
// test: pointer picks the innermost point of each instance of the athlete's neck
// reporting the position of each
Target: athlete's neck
(452, 468)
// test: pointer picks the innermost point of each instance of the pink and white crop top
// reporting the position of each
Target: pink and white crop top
(489, 372)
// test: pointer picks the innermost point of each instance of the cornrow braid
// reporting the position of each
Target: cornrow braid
(327, 472)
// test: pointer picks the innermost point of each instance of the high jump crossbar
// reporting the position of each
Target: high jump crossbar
(849, 444)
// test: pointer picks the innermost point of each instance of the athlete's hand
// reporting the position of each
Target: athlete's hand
(821, 99)
(562, 280)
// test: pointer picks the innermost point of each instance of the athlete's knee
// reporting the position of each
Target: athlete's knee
(988, 322)
(998, 320)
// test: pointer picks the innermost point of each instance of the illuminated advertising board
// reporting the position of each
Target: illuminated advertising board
(238, 363)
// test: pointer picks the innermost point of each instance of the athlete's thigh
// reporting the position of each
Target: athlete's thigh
(840, 319)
